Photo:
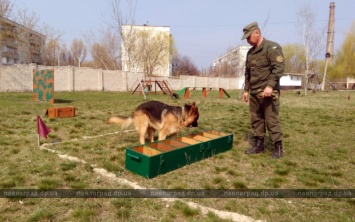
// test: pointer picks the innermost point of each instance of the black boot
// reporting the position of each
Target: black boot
(258, 146)
(278, 152)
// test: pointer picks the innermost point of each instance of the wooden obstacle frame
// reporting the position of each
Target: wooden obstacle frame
(205, 92)
(151, 86)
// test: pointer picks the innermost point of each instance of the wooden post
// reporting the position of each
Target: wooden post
(220, 93)
(187, 93)
(204, 93)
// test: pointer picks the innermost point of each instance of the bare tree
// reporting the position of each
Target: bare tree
(6, 11)
(184, 66)
(152, 50)
(29, 21)
(100, 56)
(188, 67)
(51, 52)
(52, 47)
(6, 8)
(139, 48)
(313, 40)
(78, 51)
(27, 18)
(105, 50)
(294, 58)
(118, 20)
(225, 69)
(64, 55)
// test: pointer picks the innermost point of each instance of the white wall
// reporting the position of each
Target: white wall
(69, 78)
(289, 80)
(350, 82)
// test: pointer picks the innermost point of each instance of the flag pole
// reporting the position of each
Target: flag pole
(38, 136)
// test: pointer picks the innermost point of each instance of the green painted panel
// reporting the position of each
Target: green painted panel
(43, 85)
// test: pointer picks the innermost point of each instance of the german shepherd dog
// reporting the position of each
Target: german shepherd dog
(155, 116)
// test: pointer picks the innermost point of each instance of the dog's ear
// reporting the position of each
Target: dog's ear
(187, 107)
(195, 109)
(191, 107)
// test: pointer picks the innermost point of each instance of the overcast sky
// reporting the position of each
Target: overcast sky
(202, 29)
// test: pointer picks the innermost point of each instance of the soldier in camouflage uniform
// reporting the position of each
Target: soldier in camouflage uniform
(264, 68)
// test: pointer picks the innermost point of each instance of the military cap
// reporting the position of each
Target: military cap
(247, 30)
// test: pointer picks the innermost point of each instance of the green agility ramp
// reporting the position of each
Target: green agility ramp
(181, 91)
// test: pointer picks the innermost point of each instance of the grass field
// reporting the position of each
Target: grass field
(319, 145)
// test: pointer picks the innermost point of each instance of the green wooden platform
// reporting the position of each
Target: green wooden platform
(152, 159)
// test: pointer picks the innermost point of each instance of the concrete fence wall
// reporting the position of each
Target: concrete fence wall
(19, 78)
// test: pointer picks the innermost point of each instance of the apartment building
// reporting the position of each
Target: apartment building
(235, 58)
(19, 45)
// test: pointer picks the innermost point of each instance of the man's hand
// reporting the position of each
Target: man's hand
(245, 96)
(267, 91)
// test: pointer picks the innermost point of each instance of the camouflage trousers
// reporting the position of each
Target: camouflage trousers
(264, 113)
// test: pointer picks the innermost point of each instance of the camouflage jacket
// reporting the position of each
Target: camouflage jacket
(264, 66)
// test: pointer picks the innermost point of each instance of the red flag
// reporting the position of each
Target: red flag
(42, 129)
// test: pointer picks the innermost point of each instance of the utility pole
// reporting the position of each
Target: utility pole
(330, 37)
(329, 55)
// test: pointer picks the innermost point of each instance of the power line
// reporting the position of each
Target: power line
(236, 25)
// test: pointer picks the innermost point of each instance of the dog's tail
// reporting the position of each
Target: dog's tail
(121, 120)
